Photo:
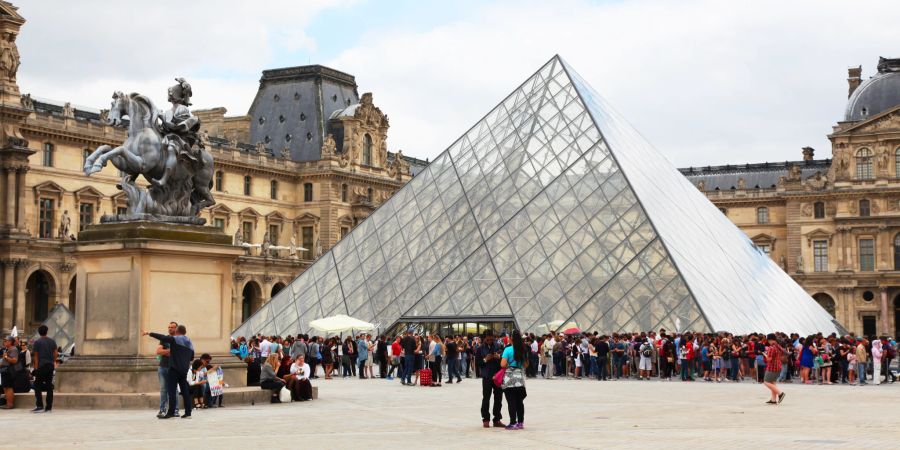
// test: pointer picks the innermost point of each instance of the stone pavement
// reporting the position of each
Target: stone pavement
(559, 414)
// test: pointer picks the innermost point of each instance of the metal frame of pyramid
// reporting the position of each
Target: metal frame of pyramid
(554, 212)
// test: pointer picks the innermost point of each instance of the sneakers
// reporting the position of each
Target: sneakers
(38, 409)
(520, 426)
(165, 416)
(389, 378)
(186, 416)
(511, 426)
(780, 398)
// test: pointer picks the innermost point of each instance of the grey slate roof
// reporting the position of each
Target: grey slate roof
(292, 107)
(874, 96)
(756, 176)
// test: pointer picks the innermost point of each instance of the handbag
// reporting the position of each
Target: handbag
(514, 377)
(284, 395)
(498, 377)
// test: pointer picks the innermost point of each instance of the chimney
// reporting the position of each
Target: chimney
(808, 153)
(854, 78)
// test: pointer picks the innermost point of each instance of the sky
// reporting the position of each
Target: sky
(705, 81)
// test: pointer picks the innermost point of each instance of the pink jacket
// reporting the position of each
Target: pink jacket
(877, 352)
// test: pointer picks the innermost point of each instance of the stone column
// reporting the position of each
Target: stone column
(19, 316)
(10, 218)
(20, 195)
(9, 274)
(884, 311)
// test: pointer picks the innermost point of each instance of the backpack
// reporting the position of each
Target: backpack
(646, 351)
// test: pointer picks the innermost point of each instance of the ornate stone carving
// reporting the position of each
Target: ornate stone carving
(741, 183)
(238, 238)
(370, 114)
(892, 204)
(65, 266)
(260, 147)
(806, 209)
(841, 166)
(26, 101)
(232, 143)
(9, 56)
(875, 208)
(163, 147)
(286, 152)
(238, 276)
(68, 110)
(104, 115)
(882, 160)
(800, 263)
(64, 224)
(817, 181)
(701, 185)
(329, 146)
(382, 154)
(852, 208)
(794, 173)
(268, 278)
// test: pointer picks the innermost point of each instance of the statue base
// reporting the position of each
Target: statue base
(181, 220)
(135, 276)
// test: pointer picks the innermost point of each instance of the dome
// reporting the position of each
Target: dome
(877, 94)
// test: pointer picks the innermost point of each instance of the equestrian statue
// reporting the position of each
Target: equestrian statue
(165, 148)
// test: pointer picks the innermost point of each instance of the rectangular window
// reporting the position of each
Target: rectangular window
(220, 178)
(48, 154)
(820, 256)
(219, 223)
(344, 190)
(273, 190)
(866, 255)
(344, 231)
(247, 182)
(819, 210)
(247, 231)
(273, 234)
(121, 210)
(85, 215)
(45, 228)
(762, 215)
(307, 192)
(306, 234)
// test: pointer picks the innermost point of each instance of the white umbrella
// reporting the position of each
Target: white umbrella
(340, 323)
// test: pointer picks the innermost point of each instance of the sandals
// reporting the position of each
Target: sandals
(780, 397)
(770, 402)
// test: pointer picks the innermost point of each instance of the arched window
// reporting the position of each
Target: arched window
(762, 215)
(247, 182)
(48, 154)
(864, 209)
(307, 192)
(220, 180)
(897, 253)
(367, 150)
(344, 192)
(864, 164)
(819, 210)
(273, 189)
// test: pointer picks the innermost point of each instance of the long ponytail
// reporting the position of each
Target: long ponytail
(518, 347)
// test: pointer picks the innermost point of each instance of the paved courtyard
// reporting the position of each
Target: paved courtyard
(559, 414)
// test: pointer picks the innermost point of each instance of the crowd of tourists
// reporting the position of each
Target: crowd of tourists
(26, 366)
(717, 357)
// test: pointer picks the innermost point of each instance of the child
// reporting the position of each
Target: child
(851, 367)
(197, 380)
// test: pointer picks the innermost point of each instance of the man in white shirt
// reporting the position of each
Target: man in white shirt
(264, 348)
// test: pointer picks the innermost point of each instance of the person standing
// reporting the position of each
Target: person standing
(8, 370)
(162, 372)
(408, 344)
(862, 360)
(362, 351)
(774, 355)
(313, 355)
(877, 354)
(45, 353)
(514, 361)
(452, 351)
(381, 353)
(487, 357)
(299, 348)
(181, 354)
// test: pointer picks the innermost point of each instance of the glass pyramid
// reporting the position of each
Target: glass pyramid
(60, 327)
(553, 212)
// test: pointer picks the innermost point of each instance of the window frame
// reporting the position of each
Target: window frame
(868, 252)
(85, 215)
(820, 255)
(819, 210)
(273, 189)
(307, 192)
(47, 156)
(308, 245)
(248, 185)
(367, 150)
(46, 218)
(762, 215)
(219, 184)
(865, 208)
(864, 164)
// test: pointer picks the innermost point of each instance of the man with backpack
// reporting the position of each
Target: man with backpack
(645, 366)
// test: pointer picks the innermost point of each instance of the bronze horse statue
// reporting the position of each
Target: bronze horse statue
(187, 190)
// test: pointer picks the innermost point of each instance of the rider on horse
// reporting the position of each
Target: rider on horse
(179, 129)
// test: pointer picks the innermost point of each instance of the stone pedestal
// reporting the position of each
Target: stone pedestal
(141, 276)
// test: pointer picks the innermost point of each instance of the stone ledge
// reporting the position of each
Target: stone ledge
(146, 230)
(149, 400)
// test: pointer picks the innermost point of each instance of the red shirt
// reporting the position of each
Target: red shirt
(395, 349)
(773, 358)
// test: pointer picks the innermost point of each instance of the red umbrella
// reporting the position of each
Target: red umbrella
(573, 330)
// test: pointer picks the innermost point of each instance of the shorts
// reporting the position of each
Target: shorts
(645, 364)
(770, 377)
(707, 365)
(8, 380)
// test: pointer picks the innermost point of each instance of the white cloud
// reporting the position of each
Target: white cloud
(82, 51)
(706, 81)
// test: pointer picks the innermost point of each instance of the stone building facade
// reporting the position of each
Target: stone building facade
(312, 183)
(832, 224)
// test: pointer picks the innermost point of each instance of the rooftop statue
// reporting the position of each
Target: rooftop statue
(166, 149)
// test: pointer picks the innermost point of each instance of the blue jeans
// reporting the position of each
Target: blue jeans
(861, 372)
(409, 367)
(452, 369)
(686, 369)
(162, 373)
